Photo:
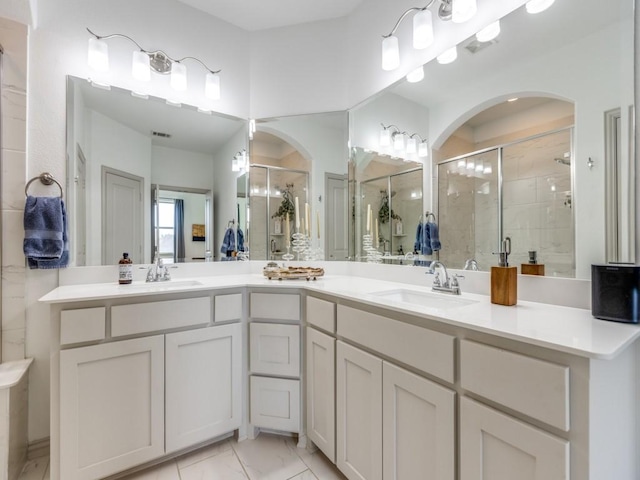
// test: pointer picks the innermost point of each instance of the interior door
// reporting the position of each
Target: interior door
(122, 216)
(80, 205)
(337, 240)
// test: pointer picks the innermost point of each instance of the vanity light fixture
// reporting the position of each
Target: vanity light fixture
(385, 134)
(458, 11)
(448, 56)
(416, 76)
(145, 61)
(391, 133)
(398, 141)
(537, 6)
(240, 161)
(252, 128)
(489, 32)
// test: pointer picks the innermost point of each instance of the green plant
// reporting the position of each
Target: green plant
(383, 212)
(286, 206)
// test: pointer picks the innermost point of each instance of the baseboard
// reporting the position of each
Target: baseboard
(39, 448)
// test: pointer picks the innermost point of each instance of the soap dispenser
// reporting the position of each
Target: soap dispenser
(504, 279)
(533, 267)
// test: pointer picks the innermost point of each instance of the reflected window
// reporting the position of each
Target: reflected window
(166, 229)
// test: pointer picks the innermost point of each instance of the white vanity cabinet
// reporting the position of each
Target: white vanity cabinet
(174, 381)
(111, 407)
(274, 362)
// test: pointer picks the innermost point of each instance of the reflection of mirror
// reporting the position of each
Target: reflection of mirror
(119, 147)
(587, 63)
(309, 152)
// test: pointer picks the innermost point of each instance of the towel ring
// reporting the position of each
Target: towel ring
(46, 179)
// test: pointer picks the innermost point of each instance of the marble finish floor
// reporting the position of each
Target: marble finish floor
(268, 457)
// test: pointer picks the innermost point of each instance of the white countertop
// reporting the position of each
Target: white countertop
(565, 329)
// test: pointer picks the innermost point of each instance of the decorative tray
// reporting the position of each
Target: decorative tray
(272, 270)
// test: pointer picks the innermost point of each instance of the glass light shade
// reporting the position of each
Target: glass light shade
(390, 53)
(178, 77)
(385, 137)
(471, 165)
(489, 32)
(212, 86)
(462, 164)
(412, 146)
(140, 69)
(479, 168)
(398, 142)
(463, 10)
(488, 170)
(423, 149)
(448, 56)
(422, 29)
(537, 6)
(416, 76)
(98, 56)
(235, 165)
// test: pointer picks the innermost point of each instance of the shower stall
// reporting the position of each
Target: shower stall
(522, 190)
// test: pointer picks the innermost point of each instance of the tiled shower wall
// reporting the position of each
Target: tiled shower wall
(13, 38)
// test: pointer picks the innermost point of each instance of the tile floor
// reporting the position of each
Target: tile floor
(268, 457)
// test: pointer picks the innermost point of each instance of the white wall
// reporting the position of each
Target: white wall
(113, 145)
(181, 168)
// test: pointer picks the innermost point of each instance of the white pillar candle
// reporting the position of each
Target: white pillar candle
(297, 215)
(368, 218)
(288, 232)
(306, 219)
(376, 234)
(318, 222)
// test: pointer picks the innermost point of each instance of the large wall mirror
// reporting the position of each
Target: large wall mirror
(530, 136)
(141, 174)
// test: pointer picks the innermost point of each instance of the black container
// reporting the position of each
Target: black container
(615, 292)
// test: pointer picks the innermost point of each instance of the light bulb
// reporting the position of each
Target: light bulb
(140, 69)
(390, 53)
(412, 146)
(448, 56)
(212, 86)
(416, 76)
(463, 10)
(422, 29)
(423, 149)
(537, 6)
(398, 142)
(98, 56)
(385, 137)
(178, 79)
(489, 32)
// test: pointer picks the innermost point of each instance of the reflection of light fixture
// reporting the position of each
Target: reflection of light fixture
(479, 167)
(462, 164)
(385, 134)
(240, 161)
(514, 99)
(487, 169)
(537, 6)
(448, 56)
(412, 146)
(398, 141)
(145, 61)
(457, 11)
(489, 32)
(393, 132)
(416, 76)
(252, 127)
(471, 165)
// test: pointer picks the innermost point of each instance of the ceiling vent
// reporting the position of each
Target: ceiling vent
(474, 46)
(160, 134)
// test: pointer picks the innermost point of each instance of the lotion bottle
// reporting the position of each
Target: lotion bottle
(504, 279)
(125, 270)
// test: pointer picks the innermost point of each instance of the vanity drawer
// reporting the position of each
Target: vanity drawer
(82, 325)
(157, 316)
(228, 307)
(274, 349)
(275, 403)
(429, 351)
(321, 314)
(276, 306)
(534, 387)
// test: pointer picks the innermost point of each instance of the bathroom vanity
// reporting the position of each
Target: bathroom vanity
(387, 379)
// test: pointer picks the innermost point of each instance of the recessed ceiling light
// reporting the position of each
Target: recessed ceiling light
(512, 99)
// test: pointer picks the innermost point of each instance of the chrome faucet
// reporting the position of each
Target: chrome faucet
(445, 283)
(471, 264)
(158, 272)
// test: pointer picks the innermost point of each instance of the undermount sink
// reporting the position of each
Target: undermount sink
(423, 299)
(168, 285)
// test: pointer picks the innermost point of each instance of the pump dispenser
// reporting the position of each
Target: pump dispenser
(504, 279)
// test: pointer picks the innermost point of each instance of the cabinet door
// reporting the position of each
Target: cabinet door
(111, 407)
(274, 349)
(418, 427)
(359, 413)
(203, 384)
(495, 446)
(321, 412)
